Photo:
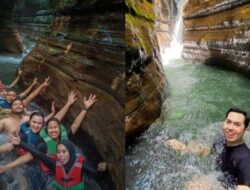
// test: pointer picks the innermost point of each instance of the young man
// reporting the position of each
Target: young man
(5, 104)
(235, 157)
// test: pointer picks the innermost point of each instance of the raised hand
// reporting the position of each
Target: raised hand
(35, 81)
(53, 107)
(46, 82)
(71, 98)
(19, 71)
(102, 166)
(90, 101)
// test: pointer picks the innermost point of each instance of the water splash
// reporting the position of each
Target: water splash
(176, 46)
(197, 102)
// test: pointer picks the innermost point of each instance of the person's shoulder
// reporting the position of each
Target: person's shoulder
(242, 153)
(6, 119)
(24, 125)
(3, 102)
(246, 151)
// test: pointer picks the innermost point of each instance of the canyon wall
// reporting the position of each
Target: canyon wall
(145, 78)
(10, 40)
(80, 45)
(218, 32)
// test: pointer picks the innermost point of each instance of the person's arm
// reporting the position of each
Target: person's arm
(71, 100)
(191, 148)
(87, 103)
(203, 183)
(28, 90)
(18, 162)
(89, 169)
(53, 111)
(49, 162)
(36, 92)
(242, 187)
(16, 80)
(101, 167)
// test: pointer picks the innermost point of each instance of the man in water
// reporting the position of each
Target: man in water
(234, 160)
(5, 104)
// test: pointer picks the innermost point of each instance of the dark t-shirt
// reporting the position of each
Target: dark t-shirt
(234, 162)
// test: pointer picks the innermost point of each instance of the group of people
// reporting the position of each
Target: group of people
(233, 159)
(35, 136)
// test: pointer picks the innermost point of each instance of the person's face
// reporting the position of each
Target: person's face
(234, 128)
(36, 123)
(10, 96)
(17, 107)
(53, 130)
(62, 154)
(3, 93)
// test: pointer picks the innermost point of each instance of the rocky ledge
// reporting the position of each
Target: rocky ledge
(217, 32)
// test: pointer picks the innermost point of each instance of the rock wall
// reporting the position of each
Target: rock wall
(165, 14)
(80, 45)
(145, 78)
(218, 31)
(10, 40)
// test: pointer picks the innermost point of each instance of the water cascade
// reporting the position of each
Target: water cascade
(175, 49)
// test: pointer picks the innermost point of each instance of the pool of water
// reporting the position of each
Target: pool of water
(9, 64)
(198, 98)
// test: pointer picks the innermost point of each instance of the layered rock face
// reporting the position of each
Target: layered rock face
(165, 13)
(218, 30)
(82, 50)
(145, 78)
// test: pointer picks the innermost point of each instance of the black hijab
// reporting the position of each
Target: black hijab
(72, 154)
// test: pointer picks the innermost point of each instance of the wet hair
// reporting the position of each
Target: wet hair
(10, 90)
(238, 110)
(16, 99)
(36, 113)
(53, 119)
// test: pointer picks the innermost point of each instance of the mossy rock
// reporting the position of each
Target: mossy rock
(142, 8)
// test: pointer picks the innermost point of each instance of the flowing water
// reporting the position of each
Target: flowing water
(198, 98)
(8, 65)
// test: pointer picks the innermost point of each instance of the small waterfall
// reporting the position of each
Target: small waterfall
(10, 59)
(175, 49)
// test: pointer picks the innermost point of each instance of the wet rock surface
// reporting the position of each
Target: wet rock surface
(145, 79)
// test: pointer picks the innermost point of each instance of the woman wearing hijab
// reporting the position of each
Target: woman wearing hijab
(67, 168)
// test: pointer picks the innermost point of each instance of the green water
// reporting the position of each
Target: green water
(198, 98)
(8, 67)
